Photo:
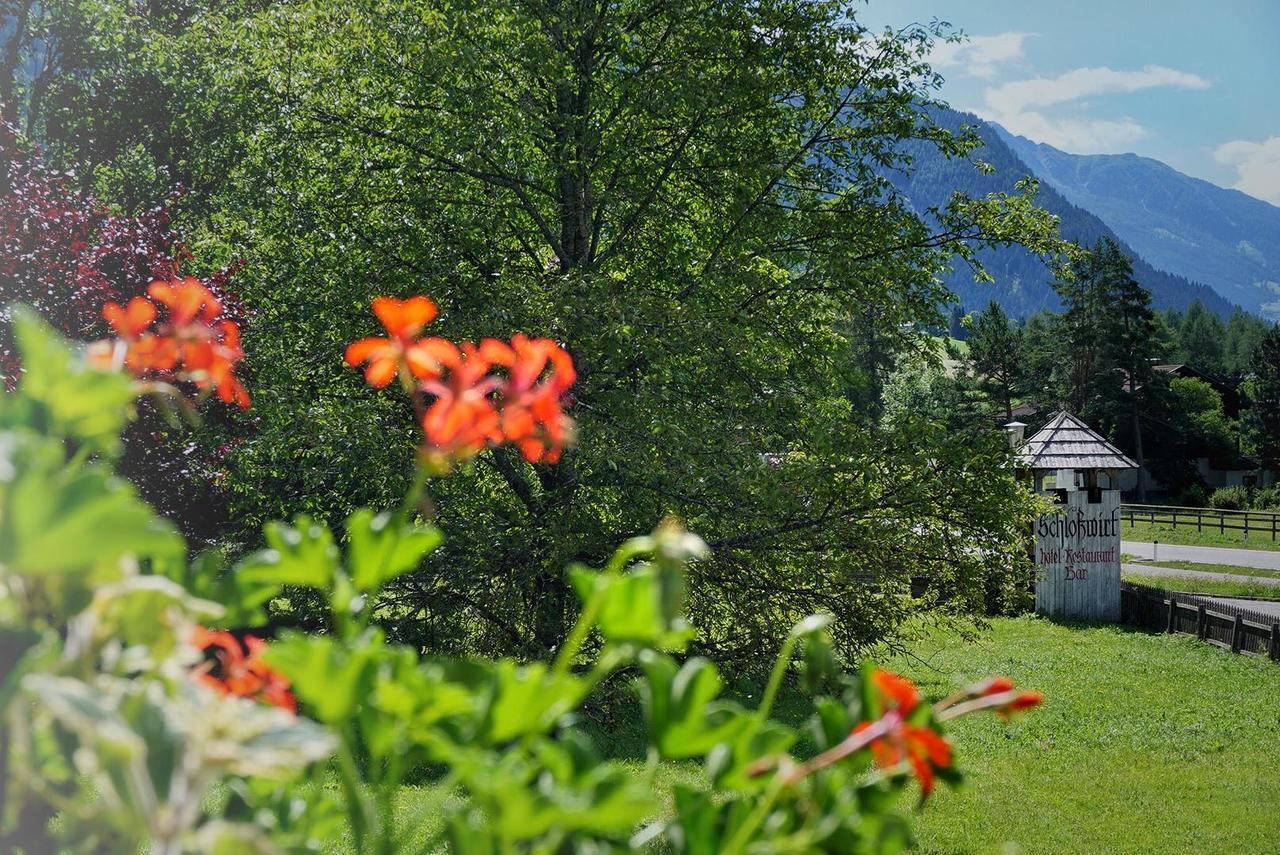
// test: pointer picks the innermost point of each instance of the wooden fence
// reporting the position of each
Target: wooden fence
(1237, 630)
(1263, 523)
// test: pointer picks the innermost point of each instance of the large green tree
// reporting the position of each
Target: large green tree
(996, 355)
(1130, 344)
(1244, 335)
(1264, 414)
(690, 195)
(1202, 339)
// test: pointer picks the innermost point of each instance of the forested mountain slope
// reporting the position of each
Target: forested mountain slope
(1224, 238)
(1022, 281)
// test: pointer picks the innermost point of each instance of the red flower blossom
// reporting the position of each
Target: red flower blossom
(923, 748)
(240, 669)
(472, 406)
(462, 419)
(532, 417)
(403, 320)
(920, 746)
(194, 342)
(186, 299)
(1019, 702)
(130, 321)
(997, 694)
(896, 690)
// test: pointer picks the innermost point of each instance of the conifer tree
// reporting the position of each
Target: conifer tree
(1264, 415)
(995, 353)
(1130, 337)
(1200, 339)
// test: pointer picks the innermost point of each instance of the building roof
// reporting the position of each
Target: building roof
(1068, 443)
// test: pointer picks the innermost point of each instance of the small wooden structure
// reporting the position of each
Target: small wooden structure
(1077, 546)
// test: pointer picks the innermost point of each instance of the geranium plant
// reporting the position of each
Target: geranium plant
(138, 712)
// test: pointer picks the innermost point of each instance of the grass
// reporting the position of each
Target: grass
(1188, 536)
(1146, 744)
(1213, 587)
(1225, 569)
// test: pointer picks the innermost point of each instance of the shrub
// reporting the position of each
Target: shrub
(1194, 496)
(1265, 499)
(1230, 499)
(128, 703)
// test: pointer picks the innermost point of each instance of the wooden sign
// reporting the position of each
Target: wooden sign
(1078, 557)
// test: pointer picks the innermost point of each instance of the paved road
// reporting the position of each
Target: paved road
(1149, 570)
(1259, 558)
(1266, 607)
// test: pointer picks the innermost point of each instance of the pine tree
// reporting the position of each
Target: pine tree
(1131, 338)
(995, 353)
(1083, 296)
(1245, 333)
(1111, 337)
(1200, 339)
(1264, 415)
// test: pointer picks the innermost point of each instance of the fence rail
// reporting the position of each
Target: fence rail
(1238, 630)
(1205, 519)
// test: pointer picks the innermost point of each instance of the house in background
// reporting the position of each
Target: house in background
(1241, 472)
(1226, 387)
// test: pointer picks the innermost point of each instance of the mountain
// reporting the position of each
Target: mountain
(1022, 281)
(1224, 238)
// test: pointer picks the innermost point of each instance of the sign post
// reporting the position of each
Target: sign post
(1077, 544)
(1078, 557)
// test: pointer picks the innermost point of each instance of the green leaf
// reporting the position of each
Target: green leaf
(241, 595)
(61, 518)
(300, 554)
(683, 717)
(527, 699)
(728, 763)
(329, 676)
(137, 612)
(379, 550)
(696, 829)
(61, 395)
(635, 609)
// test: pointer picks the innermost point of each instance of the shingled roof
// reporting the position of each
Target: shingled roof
(1068, 443)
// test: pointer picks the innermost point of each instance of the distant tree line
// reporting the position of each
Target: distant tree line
(1106, 357)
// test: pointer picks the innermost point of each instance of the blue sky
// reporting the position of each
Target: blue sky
(1194, 84)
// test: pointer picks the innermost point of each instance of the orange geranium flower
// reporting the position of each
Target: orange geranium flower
(920, 746)
(462, 419)
(403, 320)
(193, 343)
(532, 416)
(997, 694)
(923, 748)
(240, 669)
(472, 405)
(132, 320)
(186, 299)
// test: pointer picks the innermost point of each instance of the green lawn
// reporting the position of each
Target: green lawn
(1182, 534)
(1146, 744)
(1227, 569)
(1219, 588)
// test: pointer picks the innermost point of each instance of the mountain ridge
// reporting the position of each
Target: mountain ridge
(1181, 224)
(1023, 283)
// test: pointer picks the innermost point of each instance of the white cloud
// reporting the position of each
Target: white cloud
(980, 55)
(1018, 106)
(1257, 166)
(1081, 136)
(1083, 82)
